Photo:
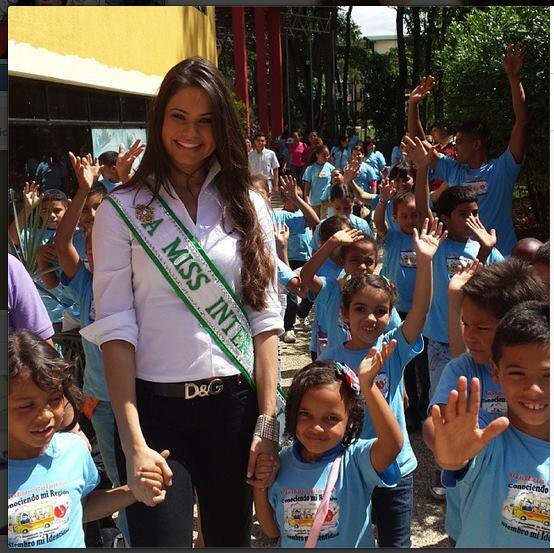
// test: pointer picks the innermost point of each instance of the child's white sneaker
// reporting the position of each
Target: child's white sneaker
(289, 337)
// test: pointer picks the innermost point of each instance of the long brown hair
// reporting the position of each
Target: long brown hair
(233, 181)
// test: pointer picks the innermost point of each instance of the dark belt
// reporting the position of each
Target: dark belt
(190, 390)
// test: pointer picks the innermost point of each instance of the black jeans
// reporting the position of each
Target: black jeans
(292, 299)
(209, 441)
(417, 370)
(392, 509)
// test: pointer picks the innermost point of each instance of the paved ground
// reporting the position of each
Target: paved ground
(427, 525)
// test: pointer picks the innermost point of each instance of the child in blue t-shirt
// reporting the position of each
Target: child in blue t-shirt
(358, 255)
(58, 301)
(331, 269)
(77, 276)
(324, 415)
(458, 210)
(298, 216)
(367, 302)
(502, 469)
(51, 475)
(340, 154)
(317, 178)
(342, 201)
(478, 298)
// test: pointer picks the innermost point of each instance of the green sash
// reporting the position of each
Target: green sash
(197, 282)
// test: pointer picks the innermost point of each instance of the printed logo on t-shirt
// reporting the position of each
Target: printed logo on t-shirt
(299, 510)
(494, 403)
(323, 174)
(479, 187)
(455, 262)
(408, 259)
(526, 509)
(37, 518)
(382, 382)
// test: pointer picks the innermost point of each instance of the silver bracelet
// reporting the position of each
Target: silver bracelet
(267, 427)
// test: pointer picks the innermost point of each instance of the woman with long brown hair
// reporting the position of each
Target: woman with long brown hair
(187, 316)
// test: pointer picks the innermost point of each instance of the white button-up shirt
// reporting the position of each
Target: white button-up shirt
(263, 162)
(135, 303)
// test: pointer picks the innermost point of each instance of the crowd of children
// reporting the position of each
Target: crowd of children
(419, 323)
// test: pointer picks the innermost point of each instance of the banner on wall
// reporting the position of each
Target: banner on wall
(104, 140)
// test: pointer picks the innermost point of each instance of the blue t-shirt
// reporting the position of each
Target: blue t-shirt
(389, 215)
(298, 489)
(377, 161)
(504, 495)
(450, 255)
(45, 493)
(396, 156)
(389, 381)
(298, 247)
(94, 384)
(493, 405)
(341, 156)
(108, 185)
(355, 221)
(60, 299)
(493, 183)
(366, 174)
(50, 176)
(330, 329)
(399, 266)
(319, 176)
(332, 271)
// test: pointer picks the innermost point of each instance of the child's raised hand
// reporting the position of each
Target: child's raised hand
(513, 59)
(84, 170)
(31, 195)
(387, 191)
(373, 362)
(422, 90)
(346, 237)
(427, 242)
(126, 158)
(486, 239)
(462, 275)
(458, 438)
(288, 187)
(417, 151)
(282, 235)
(351, 171)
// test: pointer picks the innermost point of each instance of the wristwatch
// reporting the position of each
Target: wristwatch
(267, 427)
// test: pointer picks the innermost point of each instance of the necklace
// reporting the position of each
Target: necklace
(186, 187)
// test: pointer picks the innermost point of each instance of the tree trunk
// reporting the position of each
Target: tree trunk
(416, 34)
(402, 76)
(347, 46)
(430, 33)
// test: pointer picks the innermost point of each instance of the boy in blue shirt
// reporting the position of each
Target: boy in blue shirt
(458, 210)
(298, 216)
(57, 299)
(502, 469)
(493, 180)
(78, 277)
(478, 298)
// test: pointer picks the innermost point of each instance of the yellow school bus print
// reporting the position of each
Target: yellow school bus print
(532, 509)
(34, 519)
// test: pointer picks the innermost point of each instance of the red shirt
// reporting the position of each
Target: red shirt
(296, 151)
(448, 150)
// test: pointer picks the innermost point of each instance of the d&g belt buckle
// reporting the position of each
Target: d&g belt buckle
(213, 388)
